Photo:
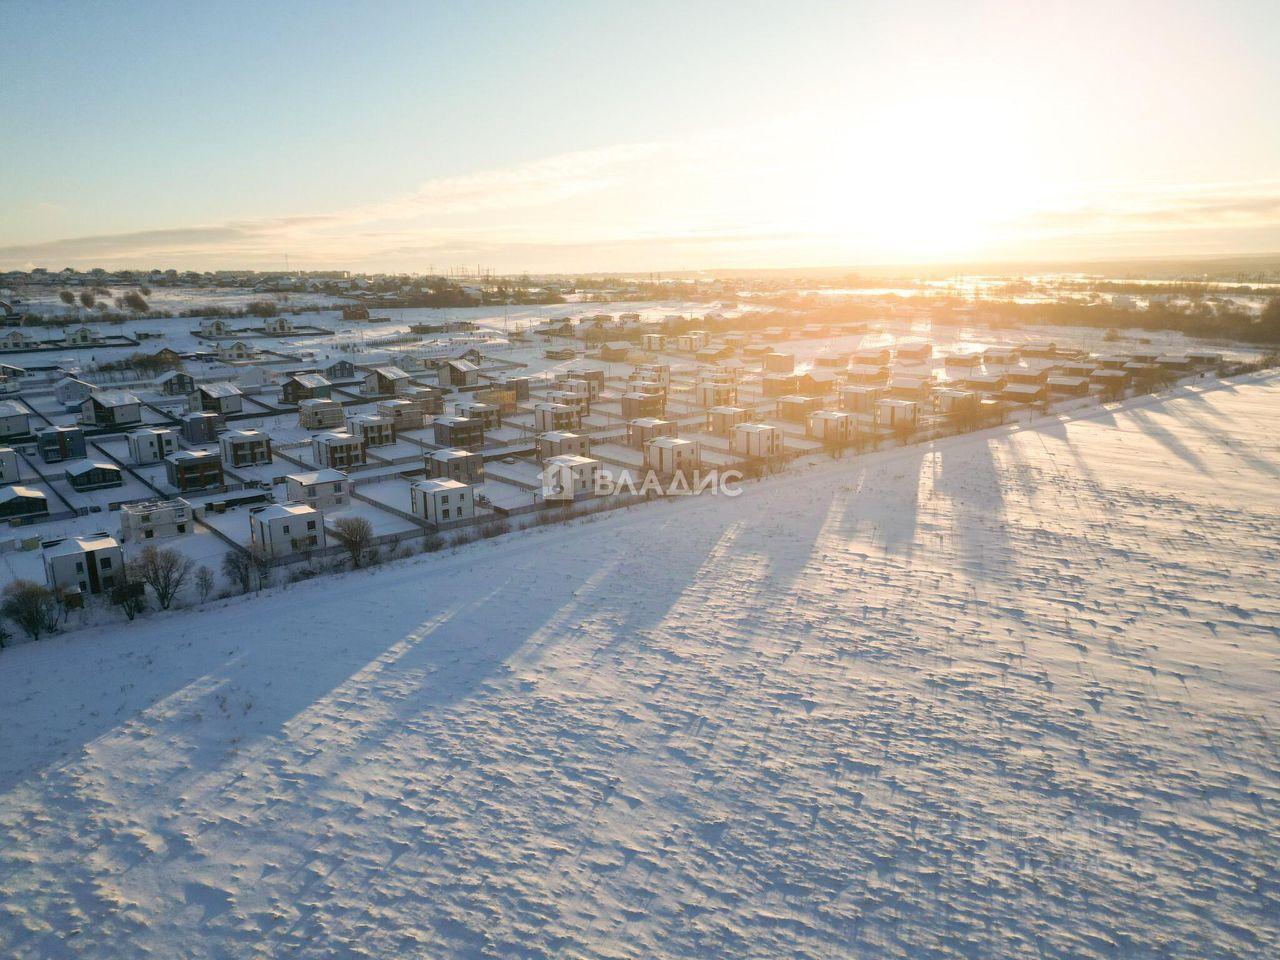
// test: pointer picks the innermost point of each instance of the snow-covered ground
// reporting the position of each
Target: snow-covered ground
(1008, 694)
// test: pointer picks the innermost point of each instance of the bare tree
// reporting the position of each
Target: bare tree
(204, 583)
(238, 568)
(131, 597)
(355, 534)
(33, 607)
(164, 571)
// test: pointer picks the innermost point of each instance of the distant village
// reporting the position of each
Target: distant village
(233, 453)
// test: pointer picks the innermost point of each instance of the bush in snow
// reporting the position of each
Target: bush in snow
(33, 607)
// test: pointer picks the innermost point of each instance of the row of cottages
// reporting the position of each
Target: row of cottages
(19, 503)
(222, 398)
(465, 466)
(442, 500)
(85, 475)
(57, 443)
(15, 420)
(337, 450)
(319, 488)
(152, 444)
(281, 529)
(320, 414)
(305, 386)
(111, 409)
(373, 430)
(384, 381)
(551, 417)
(454, 374)
(188, 471)
(245, 448)
(464, 432)
(176, 383)
(154, 520)
(83, 565)
(558, 443)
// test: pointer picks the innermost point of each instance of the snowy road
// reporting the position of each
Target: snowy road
(1006, 695)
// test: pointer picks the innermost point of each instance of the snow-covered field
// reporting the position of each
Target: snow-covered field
(1009, 694)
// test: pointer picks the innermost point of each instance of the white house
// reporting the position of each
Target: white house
(569, 477)
(281, 529)
(756, 440)
(236, 350)
(894, 415)
(275, 326)
(320, 488)
(442, 500)
(152, 444)
(154, 520)
(92, 564)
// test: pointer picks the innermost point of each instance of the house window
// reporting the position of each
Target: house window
(79, 567)
(106, 563)
(285, 529)
(444, 514)
(182, 528)
(149, 535)
(311, 524)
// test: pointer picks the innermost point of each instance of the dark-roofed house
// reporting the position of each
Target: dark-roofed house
(223, 398)
(94, 475)
(189, 470)
(305, 386)
(111, 408)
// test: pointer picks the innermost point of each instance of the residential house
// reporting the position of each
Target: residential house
(337, 450)
(755, 440)
(92, 564)
(374, 430)
(244, 448)
(202, 427)
(319, 488)
(458, 373)
(277, 326)
(779, 384)
(71, 392)
(152, 444)
(224, 398)
(488, 414)
(111, 408)
(17, 340)
(319, 414)
(670, 456)
(643, 429)
(954, 403)
(652, 342)
(10, 465)
(775, 362)
(722, 420)
(236, 350)
(80, 336)
(817, 383)
(176, 383)
(916, 389)
(442, 500)
(558, 443)
(710, 393)
(637, 405)
(797, 408)
(58, 443)
(1025, 392)
(18, 503)
(283, 529)
(191, 470)
(913, 351)
(384, 381)
(550, 417)
(15, 420)
(569, 477)
(873, 356)
(458, 432)
(868, 374)
(464, 466)
(214, 327)
(616, 350)
(896, 415)
(829, 426)
(305, 386)
(340, 370)
(154, 520)
(1068, 386)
